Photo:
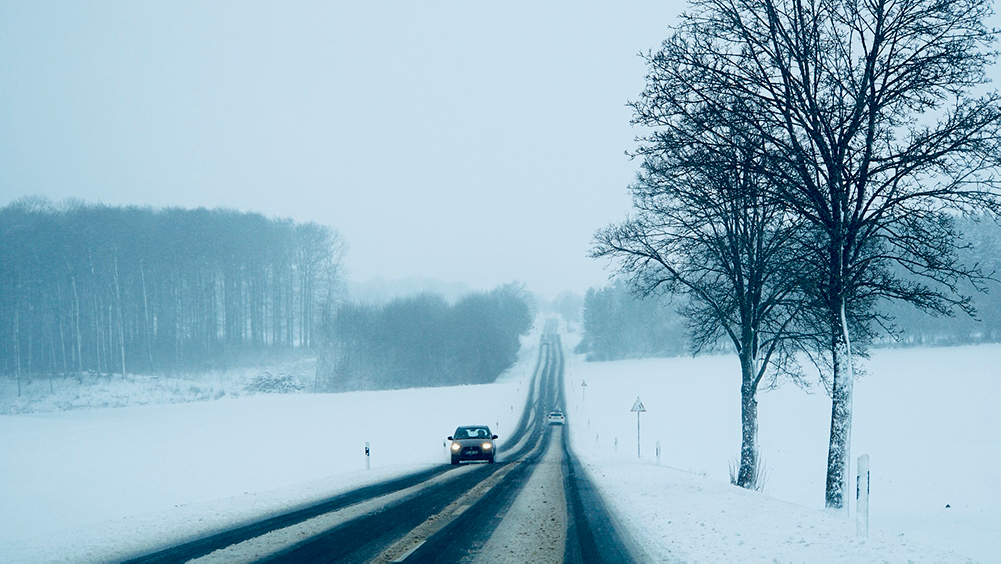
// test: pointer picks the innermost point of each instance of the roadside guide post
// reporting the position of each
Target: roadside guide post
(658, 453)
(862, 497)
(583, 389)
(368, 457)
(638, 408)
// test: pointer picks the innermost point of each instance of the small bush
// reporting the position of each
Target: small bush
(761, 474)
(280, 384)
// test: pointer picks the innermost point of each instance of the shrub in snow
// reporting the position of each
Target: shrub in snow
(761, 475)
(280, 384)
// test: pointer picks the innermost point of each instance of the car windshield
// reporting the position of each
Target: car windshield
(472, 433)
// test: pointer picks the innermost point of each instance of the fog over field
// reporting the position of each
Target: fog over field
(474, 144)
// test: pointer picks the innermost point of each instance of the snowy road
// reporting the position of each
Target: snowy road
(535, 504)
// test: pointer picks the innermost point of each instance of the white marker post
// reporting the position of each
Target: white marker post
(638, 408)
(658, 453)
(583, 390)
(862, 497)
(368, 457)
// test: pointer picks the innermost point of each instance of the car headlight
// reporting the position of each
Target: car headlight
(487, 446)
(455, 446)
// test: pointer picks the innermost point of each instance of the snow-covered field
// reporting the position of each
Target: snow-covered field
(102, 484)
(928, 419)
(96, 484)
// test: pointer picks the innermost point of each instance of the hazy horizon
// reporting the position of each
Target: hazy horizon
(472, 144)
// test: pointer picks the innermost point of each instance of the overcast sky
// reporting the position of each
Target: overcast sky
(476, 142)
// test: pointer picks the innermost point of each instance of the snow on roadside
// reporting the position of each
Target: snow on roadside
(679, 516)
(927, 418)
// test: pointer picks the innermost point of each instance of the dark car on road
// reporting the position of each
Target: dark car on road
(474, 442)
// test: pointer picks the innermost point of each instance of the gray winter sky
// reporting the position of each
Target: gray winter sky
(477, 142)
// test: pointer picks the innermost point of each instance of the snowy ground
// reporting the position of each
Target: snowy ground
(93, 484)
(94, 391)
(101, 484)
(927, 418)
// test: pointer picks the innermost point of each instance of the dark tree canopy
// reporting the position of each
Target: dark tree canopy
(424, 341)
(618, 324)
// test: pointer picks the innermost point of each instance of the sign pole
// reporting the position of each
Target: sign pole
(637, 434)
(638, 408)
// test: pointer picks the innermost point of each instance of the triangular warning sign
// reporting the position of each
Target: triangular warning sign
(638, 406)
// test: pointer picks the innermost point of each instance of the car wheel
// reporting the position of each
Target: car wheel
(490, 460)
(455, 461)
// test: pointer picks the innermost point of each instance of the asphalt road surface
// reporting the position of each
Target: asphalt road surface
(535, 504)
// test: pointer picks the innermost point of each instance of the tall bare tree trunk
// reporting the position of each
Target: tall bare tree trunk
(76, 329)
(62, 334)
(31, 342)
(52, 354)
(747, 474)
(839, 451)
(121, 324)
(98, 333)
(178, 326)
(148, 327)
(111, 336)
(17, 339)
(290, 310)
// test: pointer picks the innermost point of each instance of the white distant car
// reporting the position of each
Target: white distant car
(556, 417)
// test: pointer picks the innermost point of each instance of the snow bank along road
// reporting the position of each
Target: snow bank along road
(535, 504)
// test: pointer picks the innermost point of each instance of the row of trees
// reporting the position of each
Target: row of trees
(618, 324)
(423, 341)
(95, 288)
(807, 160)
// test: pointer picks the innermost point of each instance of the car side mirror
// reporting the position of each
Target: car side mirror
(495, 436)
(450, 437)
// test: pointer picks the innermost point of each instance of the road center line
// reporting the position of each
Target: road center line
(281, 539)
(435, 523)
(409, 552)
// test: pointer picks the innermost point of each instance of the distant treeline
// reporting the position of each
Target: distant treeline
(95, 288)
(424, 341)
(619, 325)
(912, 327)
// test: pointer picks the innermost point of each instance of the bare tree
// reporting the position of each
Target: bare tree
(317, 255)
(867, 111)
(705, 227)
